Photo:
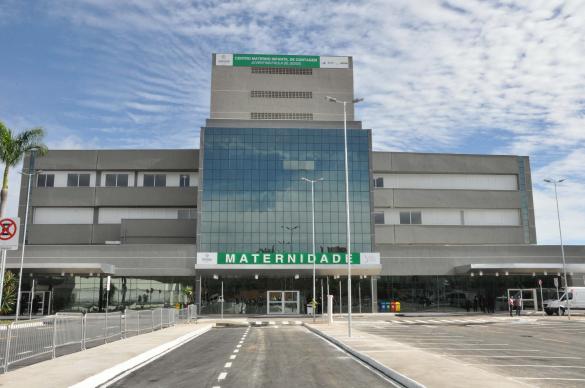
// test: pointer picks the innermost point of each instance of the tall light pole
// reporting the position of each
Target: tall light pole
(348, 255)
(555, 183)
(30, 174)
(312, 182)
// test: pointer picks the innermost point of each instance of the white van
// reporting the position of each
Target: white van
(576, 302)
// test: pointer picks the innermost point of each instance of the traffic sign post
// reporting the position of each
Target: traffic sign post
(9, 235)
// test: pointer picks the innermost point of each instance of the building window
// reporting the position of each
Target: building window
(379, 218)
(117, 180)
(184, 180)
(46, 180)
(280, 116)
(410, 218)
(281, 70)
(279, 94)
(155, 180)
(186, 214)
(77, 180)
(379, 182)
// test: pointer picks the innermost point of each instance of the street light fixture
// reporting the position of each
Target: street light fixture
(291, 229)
(348, 255)
(555, 182)
(312, 182)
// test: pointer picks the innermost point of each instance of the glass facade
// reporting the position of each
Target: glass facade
(254, 200)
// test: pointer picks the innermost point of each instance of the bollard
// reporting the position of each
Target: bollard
(329, 309)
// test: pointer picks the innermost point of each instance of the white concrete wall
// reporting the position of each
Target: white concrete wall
(63, 215)
(450, 181)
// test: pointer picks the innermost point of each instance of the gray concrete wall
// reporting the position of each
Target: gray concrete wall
(96, 197)
(413, 163)
(231, 87)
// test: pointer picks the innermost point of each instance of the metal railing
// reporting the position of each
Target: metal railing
(20, 341)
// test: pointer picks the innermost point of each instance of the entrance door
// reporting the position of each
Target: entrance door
(527, 297)
(282, 302)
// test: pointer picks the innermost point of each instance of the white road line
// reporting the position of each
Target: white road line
(233, 357)
(222, 376)
(547, 378)
(298, 322)
(285, 322)
(216, 386)
(532, 366)
(506, 356)
(272, 323)
(258, 323)
(237, 351)
(238, 346)
(228, 365)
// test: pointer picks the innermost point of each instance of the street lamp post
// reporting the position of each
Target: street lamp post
(30, 174)
(312, 182)
(555, 183)
(348, 255)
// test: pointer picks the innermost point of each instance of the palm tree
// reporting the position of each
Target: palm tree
(9, 294)
(12, 149)
(188, 292)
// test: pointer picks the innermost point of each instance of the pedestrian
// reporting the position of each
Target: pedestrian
(467, 305)
(475, 303)
(517, 306)
(511, 305)
(482, 303)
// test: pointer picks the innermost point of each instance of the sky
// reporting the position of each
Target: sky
(473, 76)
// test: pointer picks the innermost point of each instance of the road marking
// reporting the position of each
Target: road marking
(547, 378)
(539, 357)
(238, 346)
(233, 357)
(532, 366)
(216, 386)
(228, 365)
(271, 323)
(222, 376)
(285, 322)
(241, 342)
(236, 350)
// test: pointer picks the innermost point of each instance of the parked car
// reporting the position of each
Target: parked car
(576, 301)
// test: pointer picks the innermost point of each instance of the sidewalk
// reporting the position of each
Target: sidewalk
(426, 368)
(73, 368)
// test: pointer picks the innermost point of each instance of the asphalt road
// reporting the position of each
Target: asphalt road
(269, 356)
(544, 352)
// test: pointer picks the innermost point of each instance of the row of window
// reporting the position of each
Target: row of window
(279, 94)
(280, 116)
(281, 70)
(112, 180)
(406, 218)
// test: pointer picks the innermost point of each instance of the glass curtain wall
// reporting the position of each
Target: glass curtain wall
(254, 200)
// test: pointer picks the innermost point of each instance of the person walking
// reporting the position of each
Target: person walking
(511, 305)
(517, 306)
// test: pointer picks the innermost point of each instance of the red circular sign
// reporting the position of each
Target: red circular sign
(8, 228)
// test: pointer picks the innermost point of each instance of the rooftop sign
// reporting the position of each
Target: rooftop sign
(239, 258)
(289, 61)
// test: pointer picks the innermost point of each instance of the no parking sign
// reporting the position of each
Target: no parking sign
(9, 233)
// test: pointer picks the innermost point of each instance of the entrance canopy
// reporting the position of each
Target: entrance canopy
(69, 268)
(518, 268)
(286, 264)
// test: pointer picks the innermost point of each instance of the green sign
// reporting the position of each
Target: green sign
(285, 258)
(267, 60)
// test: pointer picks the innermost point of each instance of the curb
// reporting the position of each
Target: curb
(390, 373)
(115, 373)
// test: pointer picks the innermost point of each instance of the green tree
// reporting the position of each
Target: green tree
(12, 149)
(9, 294)
(188, 292)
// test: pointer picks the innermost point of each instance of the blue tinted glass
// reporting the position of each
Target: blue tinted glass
(254, 199)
